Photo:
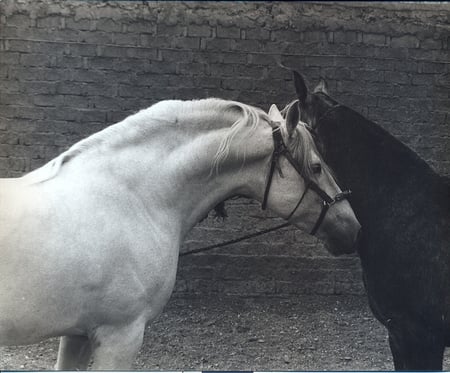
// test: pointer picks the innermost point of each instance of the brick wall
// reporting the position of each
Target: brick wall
(68, 69)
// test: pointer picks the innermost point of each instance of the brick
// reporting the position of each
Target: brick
(189, 93)
(9, 58)
(260, 59)
(374, 39)
(95, 37)
(420, 54)
(177, 55)
(101, 89)
(38, 73)
(171, 30)
(406, 41)
(257, 72)
(320, 60)
(191, 68)
(345, 37)
(31, 59)
(234, 58)
(180, 81)
(432, 68)
(152, 80)
(310, 37)
(22, 112)
(228, 32)
(185, 43)
(51, 22)
(101, 63)
(69, 62)
(431, 44)
(220, 44)
(368, 75)
(113, 51)
(108, 25)
(257, 34)
(87, 76)
(125, 39)
(142, 27)
(19, 20)
(82, 49)
(9, 138)
(441, 56)
(248, 45)
(80, 24)
(206, 82)
(408, 66)
(199, 30)
(286, 36)
(48, 100)
(397, 77)
(238, 84)
(162, 67)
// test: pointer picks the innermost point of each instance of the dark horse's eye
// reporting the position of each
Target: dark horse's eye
(316, 168)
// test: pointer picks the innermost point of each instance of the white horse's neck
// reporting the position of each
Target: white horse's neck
(180, 158)
(201, 162)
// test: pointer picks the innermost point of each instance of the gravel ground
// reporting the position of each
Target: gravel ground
(231, 333)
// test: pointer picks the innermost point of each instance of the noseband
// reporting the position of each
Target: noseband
(280, 149)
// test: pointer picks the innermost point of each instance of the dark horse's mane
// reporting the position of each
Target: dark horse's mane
(390, 141)
(387, 141)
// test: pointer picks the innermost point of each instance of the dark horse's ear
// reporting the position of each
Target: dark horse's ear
(300, 87)
(321, 87)
(292, 118)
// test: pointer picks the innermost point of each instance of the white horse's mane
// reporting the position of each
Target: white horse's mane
(169, 112)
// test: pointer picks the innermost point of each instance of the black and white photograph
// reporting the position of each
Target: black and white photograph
(258, 186)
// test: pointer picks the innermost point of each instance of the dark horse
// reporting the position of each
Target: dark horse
(403, 207)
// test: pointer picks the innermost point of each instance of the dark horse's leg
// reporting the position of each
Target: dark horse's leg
(418, 352)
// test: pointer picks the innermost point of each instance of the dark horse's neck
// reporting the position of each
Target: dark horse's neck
(393, 188)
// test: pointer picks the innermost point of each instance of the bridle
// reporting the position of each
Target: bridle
(280, 149)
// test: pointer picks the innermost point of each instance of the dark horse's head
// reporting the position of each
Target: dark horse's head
(328, 123)
(315, 105)
(334, 128)
(327, 120)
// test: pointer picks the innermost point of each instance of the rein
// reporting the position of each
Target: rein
(280, 149)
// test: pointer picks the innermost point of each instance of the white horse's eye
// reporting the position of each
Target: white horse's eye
(316, 168)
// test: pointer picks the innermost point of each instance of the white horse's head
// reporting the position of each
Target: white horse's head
(300, 187)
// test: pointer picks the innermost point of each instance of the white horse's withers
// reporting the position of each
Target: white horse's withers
(89, 243)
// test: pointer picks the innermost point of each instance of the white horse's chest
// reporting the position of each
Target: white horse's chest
(67, 263)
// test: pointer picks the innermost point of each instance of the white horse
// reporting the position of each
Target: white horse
(89, 242)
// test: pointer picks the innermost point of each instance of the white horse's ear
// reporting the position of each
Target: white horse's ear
(321, 87)
(274, 114)
(292, 118)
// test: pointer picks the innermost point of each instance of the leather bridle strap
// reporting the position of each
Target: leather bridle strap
(326, 205)
(281, 149)
(277, 151)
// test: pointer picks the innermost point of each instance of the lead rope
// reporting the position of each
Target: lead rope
(236, 240)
